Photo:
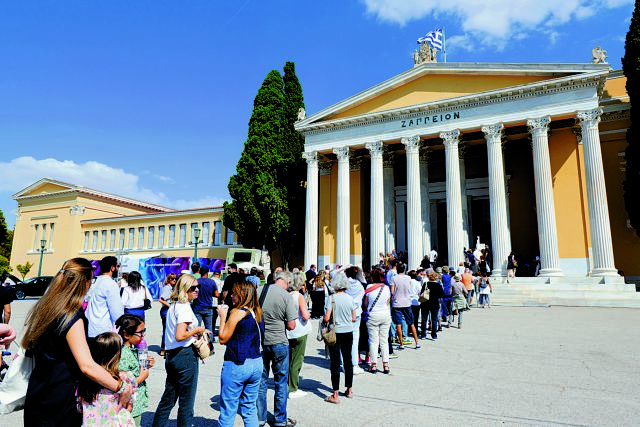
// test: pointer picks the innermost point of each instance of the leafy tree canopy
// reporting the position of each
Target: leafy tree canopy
(24, 269)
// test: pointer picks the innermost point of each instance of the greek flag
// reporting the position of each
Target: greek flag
(434, 38)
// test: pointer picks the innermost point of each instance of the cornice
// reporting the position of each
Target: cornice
(185, 213)
(546, 87)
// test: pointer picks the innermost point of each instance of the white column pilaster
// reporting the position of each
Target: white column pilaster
(462, 148)
(454, 203)
(600, 227)
(500, 234)
(311, 218)
(545, 206)
(377, 202)
(424, 200)
(414, 208)
(389, 201)
(343, 229)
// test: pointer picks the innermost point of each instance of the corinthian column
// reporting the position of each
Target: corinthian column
(424, 200)
(343, 233)
(311, 218)
(454, 202)
(389, 201)
(462, 149)
(603, 262)
(377, 201)
(501, 237)
(547, 229)
(414, 209)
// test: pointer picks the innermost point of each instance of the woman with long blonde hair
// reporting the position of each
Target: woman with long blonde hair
(56, 336)
(182, 362)
(242, 333)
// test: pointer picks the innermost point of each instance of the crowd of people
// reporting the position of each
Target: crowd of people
(86, 335)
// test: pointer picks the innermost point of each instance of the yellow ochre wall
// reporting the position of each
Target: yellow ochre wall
(435, 87)
(327, 213)
(571, 214)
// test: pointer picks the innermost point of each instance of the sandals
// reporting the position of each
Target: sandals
(372, 369)
(332, 399)
(348, 394)
(386, 370)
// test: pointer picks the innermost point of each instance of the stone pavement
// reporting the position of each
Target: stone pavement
(508, 365)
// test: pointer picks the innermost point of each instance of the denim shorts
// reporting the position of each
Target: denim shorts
(402, 313)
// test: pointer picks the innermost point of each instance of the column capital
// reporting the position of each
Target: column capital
(311, 157)
(342, 153)
(450, 137)
(424, 155)
(375, 148)
(412, 144)
(493, 133)
(539, 125)
(325, 168)
(589, 119)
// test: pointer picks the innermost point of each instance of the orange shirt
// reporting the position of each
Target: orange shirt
(467, 281)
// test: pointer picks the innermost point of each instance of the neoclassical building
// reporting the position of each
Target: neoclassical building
(526, 158)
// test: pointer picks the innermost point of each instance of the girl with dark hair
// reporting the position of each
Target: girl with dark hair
(242, 370)
(131, 329)
(134, 295)
(56, 335)
(100, 406)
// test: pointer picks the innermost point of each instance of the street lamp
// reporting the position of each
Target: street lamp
(120, 253)
(196, 241)
(43, 245)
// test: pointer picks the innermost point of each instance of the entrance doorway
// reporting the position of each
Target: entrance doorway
(480, 215)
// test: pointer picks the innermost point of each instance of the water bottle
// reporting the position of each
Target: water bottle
(142, 354)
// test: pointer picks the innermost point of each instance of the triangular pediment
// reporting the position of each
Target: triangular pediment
(429, 83)
(45, 186)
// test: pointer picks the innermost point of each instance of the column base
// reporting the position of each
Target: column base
(603, 272)
(551, 272)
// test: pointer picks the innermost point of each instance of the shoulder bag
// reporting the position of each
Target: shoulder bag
(424, 294)
(147, 301)
(13, 388)
(328, 330)
(365, 315)
(203, 345)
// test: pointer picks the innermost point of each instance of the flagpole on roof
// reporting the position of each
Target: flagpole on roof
(444, 45)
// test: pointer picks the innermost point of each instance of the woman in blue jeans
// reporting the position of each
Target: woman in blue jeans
(242, 369)
(182, 362)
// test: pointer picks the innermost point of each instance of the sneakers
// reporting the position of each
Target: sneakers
(297, 393)
(393, 356)
(357, 370)
(406, 341)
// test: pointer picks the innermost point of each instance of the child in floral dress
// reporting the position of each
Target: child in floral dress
(101, 406)
(131, 329)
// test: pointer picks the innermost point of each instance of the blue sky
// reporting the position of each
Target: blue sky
(151, 99)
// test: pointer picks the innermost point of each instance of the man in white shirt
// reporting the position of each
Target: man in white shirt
(433, 257)
(105, 305)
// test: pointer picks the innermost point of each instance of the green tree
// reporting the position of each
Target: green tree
(5, 248)
(24, 269)
(4, 266)
(631, 68)
(257, 212)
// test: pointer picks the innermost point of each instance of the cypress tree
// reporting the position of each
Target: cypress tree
(631, 68)
(257, 212)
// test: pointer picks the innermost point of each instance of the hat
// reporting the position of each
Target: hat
(456, 277)
(216, 271)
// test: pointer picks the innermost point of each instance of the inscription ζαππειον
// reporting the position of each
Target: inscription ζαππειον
(436, 118)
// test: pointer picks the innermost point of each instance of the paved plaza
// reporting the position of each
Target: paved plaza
(510, 366)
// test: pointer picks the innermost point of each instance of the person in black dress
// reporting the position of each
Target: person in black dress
(56, 336)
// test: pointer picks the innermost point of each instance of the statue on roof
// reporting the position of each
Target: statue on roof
(426, 54)
(301, 114)
(599, 55)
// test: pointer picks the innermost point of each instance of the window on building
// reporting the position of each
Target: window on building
(132, 235)
(152, 236)
(230, 235)
(217, 233)
(50, 244)
(85, 247)
(36, 229)
(103, 242)
(183, 235)
(140, 237)
(205, 233)
(161, 236)
(172, 235)
(122, 237)
(112, 239)
(94, 244)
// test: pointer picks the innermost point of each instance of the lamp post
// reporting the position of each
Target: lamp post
(43, 245)
(196, 241)
(120, 253)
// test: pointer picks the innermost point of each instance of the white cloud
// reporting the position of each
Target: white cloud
(492, 22)
(24, 171)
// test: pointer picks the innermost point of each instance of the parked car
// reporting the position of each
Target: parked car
(35, 286)
(9, 280)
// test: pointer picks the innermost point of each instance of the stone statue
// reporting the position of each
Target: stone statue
(426, 54)
(599, 55)
(301, 114)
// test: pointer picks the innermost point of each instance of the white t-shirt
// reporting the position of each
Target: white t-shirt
(179, 312)
(135, 299)
(382, 306)
(303, 327)
(416, 287)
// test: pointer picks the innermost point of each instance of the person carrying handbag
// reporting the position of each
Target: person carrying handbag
(376, 301)
(344, 315)
(136, 298)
